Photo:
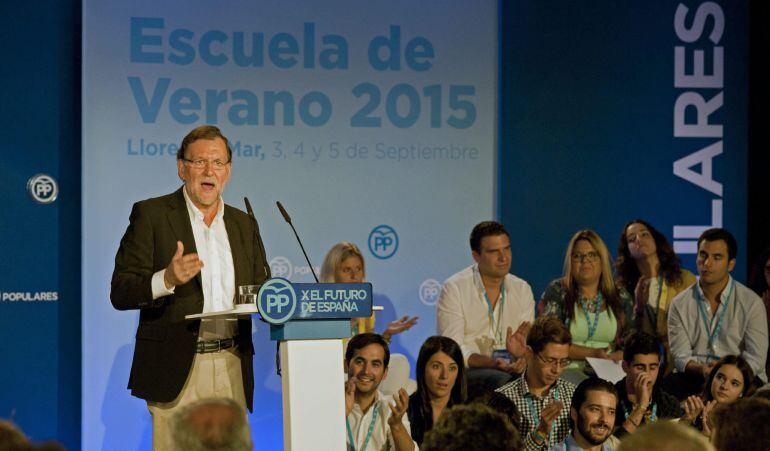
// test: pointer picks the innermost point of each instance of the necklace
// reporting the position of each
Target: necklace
(594, 305)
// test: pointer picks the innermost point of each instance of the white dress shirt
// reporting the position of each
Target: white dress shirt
(463, 312)
(381, 438)
(217, 274)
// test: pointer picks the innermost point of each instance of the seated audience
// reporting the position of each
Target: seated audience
(715, 317)
(586, 299)
(213, 423)
(760, 283)
(540, 395)
(730, 380)
(665, 436)
(472, 427)
(371, 421)
(640, 399)
(742, 426)
(440, 384)
(593, 417)
(482, 305)
(648, 267)
(344, 263)
(500, 403)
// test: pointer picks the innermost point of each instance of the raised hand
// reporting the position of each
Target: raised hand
(548, 414)
(693, 406)
(182, 267)
(706, 417)
(350, 394)
(516, 342)
(398, 409)
(643, 388)
(400, 325)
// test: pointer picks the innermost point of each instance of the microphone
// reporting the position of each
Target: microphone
(288, 219)
(259, 246)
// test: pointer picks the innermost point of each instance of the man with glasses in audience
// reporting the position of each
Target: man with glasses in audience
(186, 253)
(540, 395)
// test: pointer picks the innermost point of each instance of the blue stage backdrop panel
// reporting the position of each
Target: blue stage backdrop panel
(591, 133)
(372, 122)
(39, 242)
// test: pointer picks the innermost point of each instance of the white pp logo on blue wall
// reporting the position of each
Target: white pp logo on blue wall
(281, 267)
(430, 289)
(383, 241)
(277, 301)
(42, 188)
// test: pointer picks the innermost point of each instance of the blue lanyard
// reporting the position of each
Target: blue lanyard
(598, 307)
(368, 434)
(715, 333)
(531, 406)
(491, 313)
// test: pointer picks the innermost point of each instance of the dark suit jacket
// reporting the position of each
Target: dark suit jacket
(165, 340)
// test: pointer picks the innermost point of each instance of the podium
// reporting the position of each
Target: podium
(309, 320)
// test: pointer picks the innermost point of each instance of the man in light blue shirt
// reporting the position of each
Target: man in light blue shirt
(592, 413)
(715, 317)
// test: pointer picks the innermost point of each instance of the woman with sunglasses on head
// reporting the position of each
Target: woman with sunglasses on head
(440, 384)
(587, 300)
(730, 380)
(648, 267)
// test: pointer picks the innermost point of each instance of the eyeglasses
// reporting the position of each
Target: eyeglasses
(550, 361)
(217, 164)
(589, 256)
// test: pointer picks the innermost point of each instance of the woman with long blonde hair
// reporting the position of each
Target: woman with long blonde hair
(586, 299)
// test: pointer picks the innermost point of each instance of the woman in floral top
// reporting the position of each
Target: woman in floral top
(597, 313)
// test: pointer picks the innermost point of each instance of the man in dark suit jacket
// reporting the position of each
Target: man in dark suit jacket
(158, 270)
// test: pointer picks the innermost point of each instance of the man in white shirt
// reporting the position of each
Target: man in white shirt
(715, 317)
(186, 253)
(373, 421)
(481, 306)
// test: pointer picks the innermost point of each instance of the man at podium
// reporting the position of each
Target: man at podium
(186, 253)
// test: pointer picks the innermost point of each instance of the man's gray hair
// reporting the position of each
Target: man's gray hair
(211, 424)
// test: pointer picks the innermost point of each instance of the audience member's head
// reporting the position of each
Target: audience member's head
(638, 240)
(717, 249)
(366, 361)
(742, 426)
(211, 424)
(593, 411)
(472, 426)
(491, 249)
(730, 379)
(501, 403)
(547, 354)
(440, 371)
(344, 263)
(665, 436)
(11, 436)
(587, 263)
(641, 356)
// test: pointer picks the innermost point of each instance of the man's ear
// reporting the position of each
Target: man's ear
(476, 256)
(624, 364)
(731, 265)
(573, 414)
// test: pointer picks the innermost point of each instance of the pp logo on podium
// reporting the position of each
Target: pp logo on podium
(277, 301)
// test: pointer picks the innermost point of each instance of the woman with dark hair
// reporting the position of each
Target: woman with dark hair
(586, 299)
(730, 380)
(440, 384)
(648, 267)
